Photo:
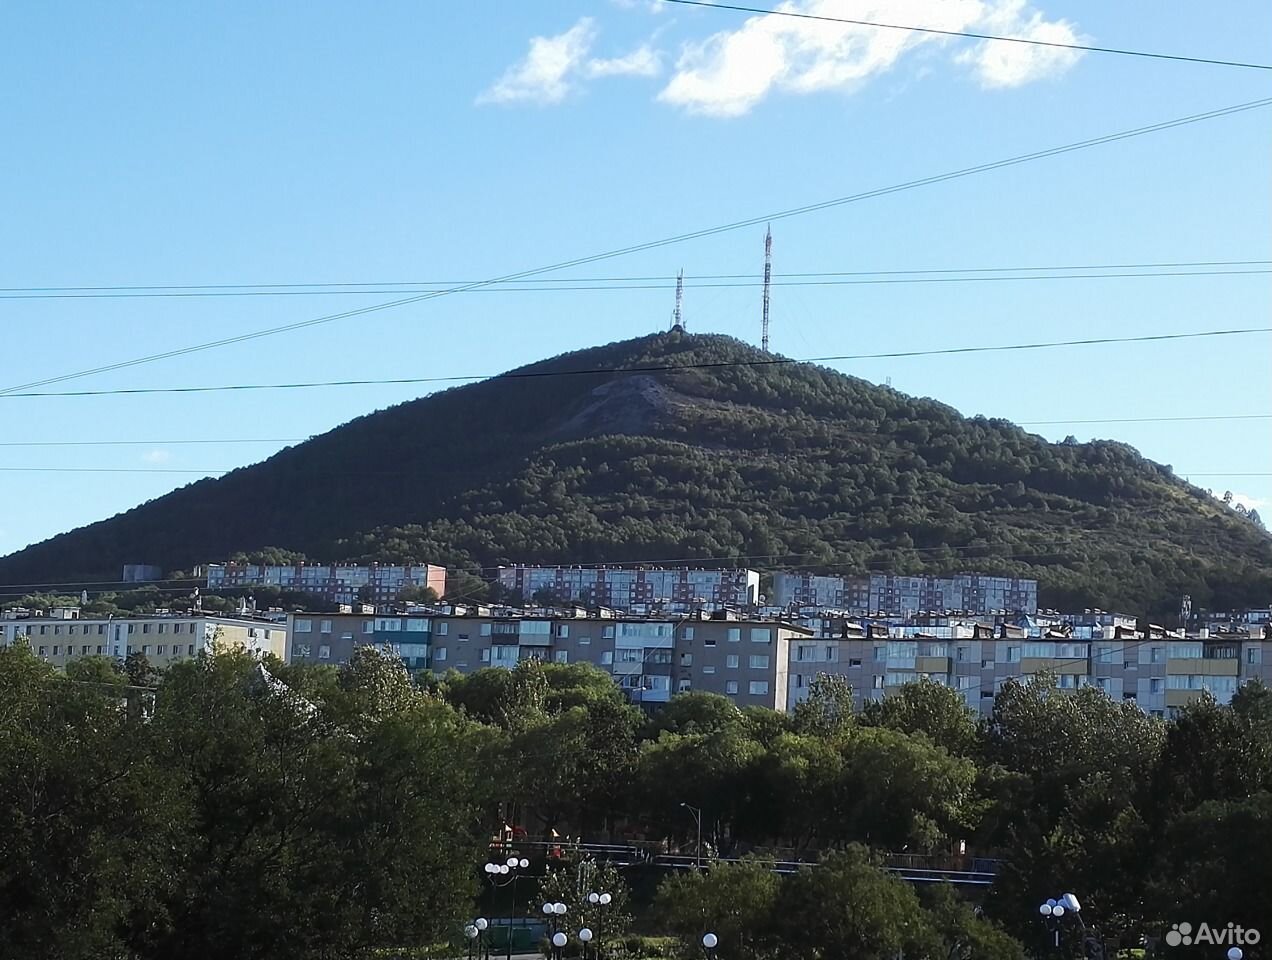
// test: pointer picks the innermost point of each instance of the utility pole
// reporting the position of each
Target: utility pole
(768, 274)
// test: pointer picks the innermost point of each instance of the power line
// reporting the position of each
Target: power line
(649, 245)
(651, 368)
(656, 283)
(1085, 48)
(251, 287)
(141, 443)
(235, 440)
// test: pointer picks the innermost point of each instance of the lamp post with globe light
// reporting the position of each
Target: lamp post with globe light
(470, 934)
(1235, 953)
(595, 904)
(505, 874)
(585, 937)
(555, 913)
(709, 943)
(475, 932)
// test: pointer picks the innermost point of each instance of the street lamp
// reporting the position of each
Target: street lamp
(709, 943)
(697, 818)
(480, 925)
(596, 901)
(585, 937)
(505, 874)
(470, 934)
(1235, 953)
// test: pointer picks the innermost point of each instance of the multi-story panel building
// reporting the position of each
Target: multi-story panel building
(164, 640)
(650, 658)
(886, 594)
(641, 590)
(1156, 669)
(335, 583)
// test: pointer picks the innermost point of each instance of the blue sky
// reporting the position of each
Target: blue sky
(166, 143)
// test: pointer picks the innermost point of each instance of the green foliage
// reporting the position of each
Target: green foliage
(719, 462)
(930, 708)
(735, 901)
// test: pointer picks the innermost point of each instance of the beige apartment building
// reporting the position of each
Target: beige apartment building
(1156, 669)
(63, 635)
(651, 659)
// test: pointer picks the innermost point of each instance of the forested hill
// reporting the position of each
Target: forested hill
(701, 449)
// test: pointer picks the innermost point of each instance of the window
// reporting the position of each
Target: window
(99, 649)
(84, 650)
(757, 688)
(562, 631)
(485, 655)
(561, 656)
(324, 652)
(880, 653)
(801, 681)
(304, 626)
(987, 664)
(145, 628)
(804, 653)
(607, 632)
(758, 661)
(684, 686)
(607, 658)
(876, 682)
(57, 631)
(965, 683)
(159, 650)
(735, 634)
(761, 635)
(730, 686)
(101, 628)
(487, 629)
(1104, 654)
(44, 651)
(324, 626)
(191, 649)
(176, 627)
(1013, 654)
(686, 659)
(1155, 655)
(442, 629)
(987, 694)
(731, 661)
(56, 648)
(1252, 655)
(1155, 685)
(1129, 664)
(300, 650)
(960, 653)
(832, 654)
(463, 637)
(708, 669)
(582, 641)
(854, 662)
(689, 633)
(145, 649)
(1104, 683)
(439, 653)
(163, 628)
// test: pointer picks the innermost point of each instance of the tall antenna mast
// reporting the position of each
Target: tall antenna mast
(677, 316)
(768, 274)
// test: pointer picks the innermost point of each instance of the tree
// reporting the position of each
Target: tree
(827, 711)
(965, 933)
(930, 708)
(695, 712)
(735, 901)
(418, 595)
(571, 882)
(94, 669)
(849, 906)
(138, 670)
(73, 882)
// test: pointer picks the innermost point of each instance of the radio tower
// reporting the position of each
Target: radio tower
(676, 315)
(768, 273)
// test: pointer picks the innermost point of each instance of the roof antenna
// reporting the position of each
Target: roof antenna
(677, 315)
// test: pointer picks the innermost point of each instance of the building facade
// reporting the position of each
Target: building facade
(639, 590)
(887, 594)
(65, 636)
(1158, 670)
(335, 583)
(650, 658)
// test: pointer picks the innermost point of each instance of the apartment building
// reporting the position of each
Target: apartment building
(640, 590)
(1156, 669)
(335, 583)
(650, 658)
(891, 595)
(64, 635)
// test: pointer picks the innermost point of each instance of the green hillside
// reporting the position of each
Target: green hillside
(774, 465)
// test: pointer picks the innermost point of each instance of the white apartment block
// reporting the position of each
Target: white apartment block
(336, 583)
(890, 595)
(640, 590)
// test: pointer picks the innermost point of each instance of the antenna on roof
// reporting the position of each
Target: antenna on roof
(768, 273)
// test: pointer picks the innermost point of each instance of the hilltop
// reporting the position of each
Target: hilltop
(677, 446)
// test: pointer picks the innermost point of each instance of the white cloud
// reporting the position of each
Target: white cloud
(544, 75)
(1000, 64)
(644, 61)
(731, 71)
(156, 456)
(1247, 501)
